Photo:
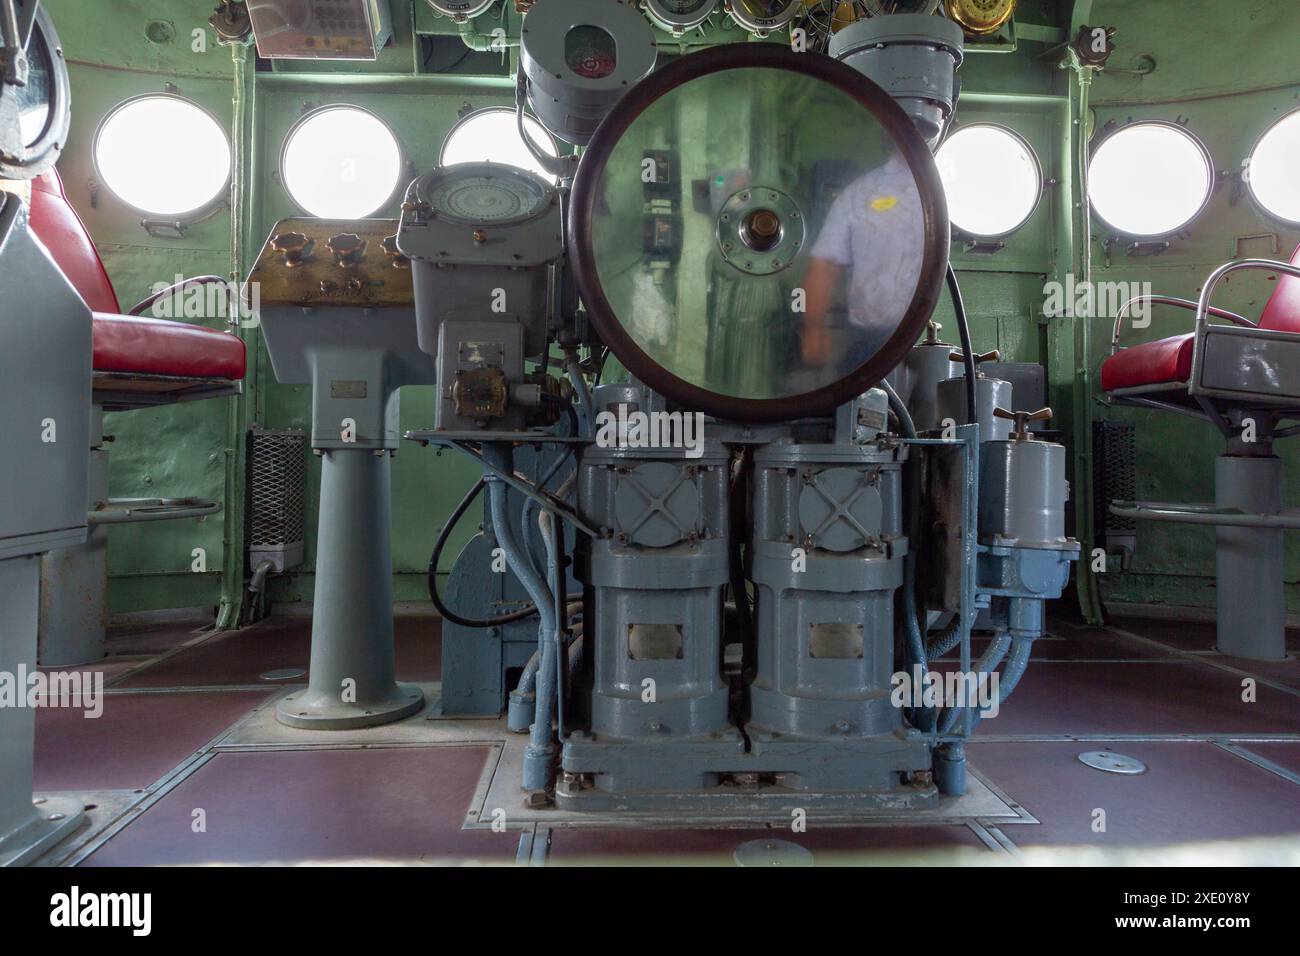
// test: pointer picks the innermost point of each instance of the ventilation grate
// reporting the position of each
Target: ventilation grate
(277, 488)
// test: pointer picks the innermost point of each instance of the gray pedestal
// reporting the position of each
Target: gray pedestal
(351, 681)
(26, 830)
(74, 581)
(1251, 604)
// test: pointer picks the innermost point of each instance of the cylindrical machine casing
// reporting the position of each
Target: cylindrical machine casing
(927, 366)
(654, 590)
(571, 102)
(990, 393)
(1023, 491)
(826, 558)
(914, 58)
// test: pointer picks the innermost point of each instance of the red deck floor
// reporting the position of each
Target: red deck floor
(1218, 767)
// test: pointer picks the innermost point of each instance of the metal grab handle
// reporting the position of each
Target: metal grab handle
(1022, 420)
(1203, 308)
(128, 510)
(959, 356)
(1168, 300)
(1205, 514)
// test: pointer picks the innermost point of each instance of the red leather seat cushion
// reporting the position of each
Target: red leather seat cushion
(56, 224)
(144, 346)
(1151, 363)
(1282, 314)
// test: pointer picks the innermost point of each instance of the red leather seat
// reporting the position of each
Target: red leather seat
(145, 346)
(1151, 363)
(125, 344)
(1170, 360)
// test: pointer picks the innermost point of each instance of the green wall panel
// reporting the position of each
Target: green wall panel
(1227, 68)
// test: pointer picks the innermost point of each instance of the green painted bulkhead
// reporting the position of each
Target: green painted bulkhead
(1227, 69)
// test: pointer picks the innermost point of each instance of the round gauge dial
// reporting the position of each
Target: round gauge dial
(763, 15)
(460, 9)
(679, 16)
(471, 195)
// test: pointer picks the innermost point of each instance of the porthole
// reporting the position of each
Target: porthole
(341, 162)
(163, 155)
(491, 135)
(1273, 172)
(1150, 179)
(991, 178)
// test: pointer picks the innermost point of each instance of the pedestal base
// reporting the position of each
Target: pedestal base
(317, 710)
(51, 821)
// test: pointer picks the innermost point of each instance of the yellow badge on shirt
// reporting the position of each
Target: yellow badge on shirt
(884, 203)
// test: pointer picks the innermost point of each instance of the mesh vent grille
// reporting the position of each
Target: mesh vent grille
(277, 487)
(1114, 473)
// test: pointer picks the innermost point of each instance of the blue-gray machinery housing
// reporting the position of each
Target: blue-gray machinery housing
(721, 616)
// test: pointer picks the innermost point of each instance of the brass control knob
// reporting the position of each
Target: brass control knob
(1022, 420)
(348, 248)
(394, 254)
(296, 247)
(480, 236)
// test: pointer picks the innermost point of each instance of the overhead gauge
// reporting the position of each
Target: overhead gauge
(763, 16)
(812, 233)
(579, 58)
(459, 10)
(678, 16)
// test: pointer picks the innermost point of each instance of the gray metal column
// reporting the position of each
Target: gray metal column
(1251, 605)
(351, 681)
(26, 830)
(74, 581)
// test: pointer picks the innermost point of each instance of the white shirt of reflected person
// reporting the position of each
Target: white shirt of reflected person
(874, 236)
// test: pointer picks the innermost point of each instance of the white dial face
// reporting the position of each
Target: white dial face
(481, 198)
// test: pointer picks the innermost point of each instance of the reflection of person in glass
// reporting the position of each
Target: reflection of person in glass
(873, 237)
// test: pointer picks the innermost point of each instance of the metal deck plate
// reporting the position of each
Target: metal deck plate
(499, 801)
(1111, 762)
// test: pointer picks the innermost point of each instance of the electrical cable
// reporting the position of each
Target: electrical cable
(968, 352)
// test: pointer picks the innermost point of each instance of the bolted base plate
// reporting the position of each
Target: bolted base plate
(772, 853)
(315, 710)
(52, 819)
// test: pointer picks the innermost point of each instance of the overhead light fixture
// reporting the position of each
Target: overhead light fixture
(321, 29)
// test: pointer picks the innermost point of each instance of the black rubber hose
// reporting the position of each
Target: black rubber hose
(968, 353)
(447, 613)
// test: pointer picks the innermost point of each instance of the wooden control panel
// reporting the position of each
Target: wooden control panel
(323, 263)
